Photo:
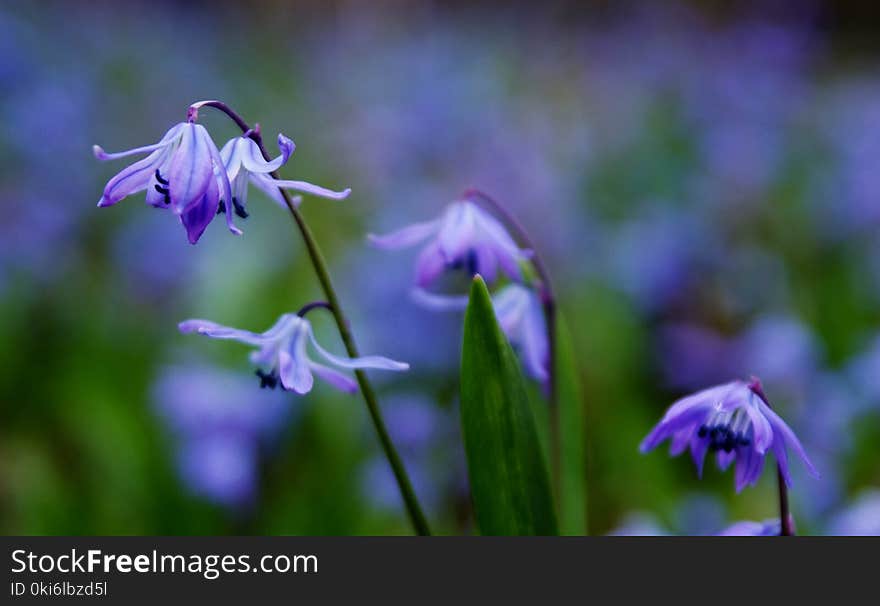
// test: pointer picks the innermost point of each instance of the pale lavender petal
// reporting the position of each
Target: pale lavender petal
(487, 263)
(231, 157)
(511, 304)
(457, 234)
(190, 171)
(535, 348)
(218, 331)
(252, 158)
(379, 362)
(295, 374)
(408, 236)
(429, 265)
(315, 190)
(334, 377)
(437, 302)
(132, 178)
(220, 177)
(268, 186)
(166, 140)
(763, 432)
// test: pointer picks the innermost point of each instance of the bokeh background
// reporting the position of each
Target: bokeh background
(704, 184)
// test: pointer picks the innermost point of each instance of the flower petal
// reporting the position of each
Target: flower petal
(429, 265)
(379, 362)
(218, 331)
(191, 168)
(782, 429)
(252, 158)
(295, 374)
(408, 236)
(457, 233)
(436, 302)
(535, 348)
(166, 140)
(221, 180)
(196, 219)
(315, 190)
(268, 186)
(132, 178)
(334, 377)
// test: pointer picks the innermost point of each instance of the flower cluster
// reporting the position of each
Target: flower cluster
(185, 173)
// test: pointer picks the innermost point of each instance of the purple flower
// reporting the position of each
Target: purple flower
(183, 172)
(520, 315)
(747, 528)
(734, 421)
(244, 163)
(464, 237)
(282, 350)
(221, 468)
(862, 518)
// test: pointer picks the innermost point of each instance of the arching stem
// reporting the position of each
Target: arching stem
(413, 508)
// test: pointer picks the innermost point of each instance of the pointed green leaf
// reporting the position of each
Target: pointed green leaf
(510, 486)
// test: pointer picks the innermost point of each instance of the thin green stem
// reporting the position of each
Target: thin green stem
(414, 509)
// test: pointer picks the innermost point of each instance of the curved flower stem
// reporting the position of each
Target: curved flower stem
(548, 300)
(414, 509)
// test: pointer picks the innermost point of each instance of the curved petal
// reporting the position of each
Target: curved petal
(511, 304)
(266, 184)
(191, 168)
(408, 236)
(315, 190)
(295, 374)
(724, 459)
(487, 263)
(457, 234)
(334, 377)
(436, 302)
(788, 436)
(197, 217)
(535, 348)
(133, 178)
(379, 362)
(698, 454)
(230, 155)
(429, 265)
(680, 440)
(252, 158)
(166, 140)
(761, 428)
(218, 331)
(221, 180)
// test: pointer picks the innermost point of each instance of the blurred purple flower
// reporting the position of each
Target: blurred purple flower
(245, 164)
(219, 423)
(221, 468)
(861, 518)
(639, 524)
(520, 315)
(183, 172)
(282, 350)
(747, 528)
(464, 237)
(734, 421)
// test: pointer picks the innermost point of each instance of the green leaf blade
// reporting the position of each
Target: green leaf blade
(510, 485)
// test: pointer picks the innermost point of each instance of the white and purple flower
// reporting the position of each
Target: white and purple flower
(465, 237)
(183, 172)
(282, 358)
(734, 421)
(244, 163)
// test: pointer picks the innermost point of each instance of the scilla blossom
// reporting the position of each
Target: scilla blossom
(734, 421)
(183, 172)
(283, 359)
(465, 237)
(520, 315)
(747, 528)
(245, 164)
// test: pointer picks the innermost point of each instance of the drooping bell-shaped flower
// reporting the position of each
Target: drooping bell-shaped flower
(465, 237)
(734, 421)
(282, 358)
(183, 172)
(245, 164)
(520, 315)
